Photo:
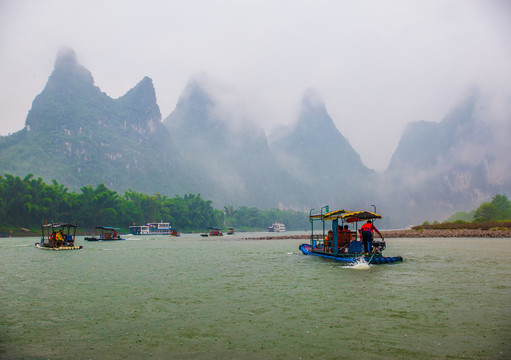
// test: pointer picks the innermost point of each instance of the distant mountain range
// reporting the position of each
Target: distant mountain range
(77, 135)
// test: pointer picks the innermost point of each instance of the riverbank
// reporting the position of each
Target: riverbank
(447, 233)
(425, 233)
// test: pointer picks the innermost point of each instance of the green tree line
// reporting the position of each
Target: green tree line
(28, 202)
(490, 214)
(498, 209)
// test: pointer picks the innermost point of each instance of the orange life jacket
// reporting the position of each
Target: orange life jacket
(367, 227)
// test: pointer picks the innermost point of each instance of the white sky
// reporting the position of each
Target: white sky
(378, 64)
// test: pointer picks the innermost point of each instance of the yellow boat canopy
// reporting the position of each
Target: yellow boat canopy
(346, 215)
(329, 215)
(354, 216)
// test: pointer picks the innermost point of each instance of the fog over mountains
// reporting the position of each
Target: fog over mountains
(78, 135)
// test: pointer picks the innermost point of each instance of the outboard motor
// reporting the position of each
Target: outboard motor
(379, 245)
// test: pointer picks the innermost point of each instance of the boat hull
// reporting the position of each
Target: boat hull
(40, 246)
(98, 239)
(351, 258)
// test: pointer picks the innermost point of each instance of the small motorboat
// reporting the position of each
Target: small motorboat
(213, 231)
(105, 233)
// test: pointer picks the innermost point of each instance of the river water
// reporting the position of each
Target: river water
(229, 298)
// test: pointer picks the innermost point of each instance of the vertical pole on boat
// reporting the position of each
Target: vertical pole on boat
(335, 223)
(326, 210)
(312, 226)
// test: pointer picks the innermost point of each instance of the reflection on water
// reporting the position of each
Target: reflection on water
(228, 298)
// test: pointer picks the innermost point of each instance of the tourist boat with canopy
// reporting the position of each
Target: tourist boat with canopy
(105, 233)
(342, 244)
(159, 228)
(58, 236)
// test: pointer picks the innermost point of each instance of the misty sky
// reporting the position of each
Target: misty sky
(377, 64)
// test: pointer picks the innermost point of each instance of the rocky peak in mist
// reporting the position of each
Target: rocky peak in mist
(192, 118)
(314, 152)
(140, 104)
(69, 83)
(197, 121)
(315, 142)
(425, 144)
(231, 158)
(72, 103)
(440, 168)
(68, 74)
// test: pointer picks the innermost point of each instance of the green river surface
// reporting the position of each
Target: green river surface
(156, 297)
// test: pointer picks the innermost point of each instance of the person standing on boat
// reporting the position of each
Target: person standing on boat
(366, 232)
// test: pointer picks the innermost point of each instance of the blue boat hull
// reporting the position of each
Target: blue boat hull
(99, 239)
(351, 258)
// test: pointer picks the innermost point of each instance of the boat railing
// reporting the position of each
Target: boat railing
(317, 241)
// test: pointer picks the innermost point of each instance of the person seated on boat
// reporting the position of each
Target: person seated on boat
(366, 232)
(68, 240)
(343, 238)
(329, 241)
(346, 230)
(115, 235)
(59, 238)
(51, 239)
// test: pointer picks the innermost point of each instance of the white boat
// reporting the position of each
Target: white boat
(160, 228)
(277, 227)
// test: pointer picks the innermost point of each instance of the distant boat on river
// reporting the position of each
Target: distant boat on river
(276, 227)
(213, 231)
(160, 228)
(105, 233)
